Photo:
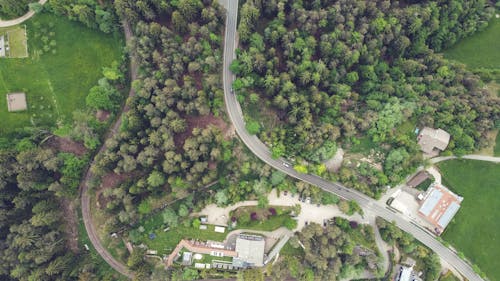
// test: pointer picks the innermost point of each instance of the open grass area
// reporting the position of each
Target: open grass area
(15, 38)
(57, 81)
(480, 49)
(165, 241)
(255, 218)
(475, 230)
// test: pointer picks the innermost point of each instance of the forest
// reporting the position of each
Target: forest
(335, 73)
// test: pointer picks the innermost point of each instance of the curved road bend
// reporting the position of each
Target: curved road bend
(261, 151)
(85, 200)
(21, 19)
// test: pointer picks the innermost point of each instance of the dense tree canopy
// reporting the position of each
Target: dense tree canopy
(338, 71)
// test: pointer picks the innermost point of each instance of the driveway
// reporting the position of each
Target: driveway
(309, 212)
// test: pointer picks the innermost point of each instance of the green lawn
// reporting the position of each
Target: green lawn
(16, 38)
(480, 49)
(475, 230)
(55, 84)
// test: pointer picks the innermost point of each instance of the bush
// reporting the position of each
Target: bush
(253, 216)
(272, 211)
(290, 223)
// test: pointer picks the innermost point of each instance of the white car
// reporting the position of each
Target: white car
(286, 164)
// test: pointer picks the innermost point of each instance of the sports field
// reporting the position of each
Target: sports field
(57, 81)
(16, 39)
(479, 50)
(475, 230)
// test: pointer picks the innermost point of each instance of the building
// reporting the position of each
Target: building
(250, 250)
(432, 141)
(16, 102)
(418, 179)
(2, 46)
(438, 206)
(187, 258)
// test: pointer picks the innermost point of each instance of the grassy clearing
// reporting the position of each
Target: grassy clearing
(15, 36)
(448, 277)
(475, 230)
(480, 49)
(262, 219)
(55, 84)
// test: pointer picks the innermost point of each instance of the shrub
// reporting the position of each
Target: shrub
(253, 216)
(272, 211)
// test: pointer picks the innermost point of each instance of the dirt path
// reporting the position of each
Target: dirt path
(21, 19)
(86, 214)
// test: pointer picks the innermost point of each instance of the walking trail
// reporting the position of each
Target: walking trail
(85, 199)
(21, 19)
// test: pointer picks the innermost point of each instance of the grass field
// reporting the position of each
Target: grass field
(475, 230)
(496, 150)
(55, 84)
(16, 38)
(480, 49)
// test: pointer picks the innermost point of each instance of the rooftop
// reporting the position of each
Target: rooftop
(250, 249)
(430, 139)
(439, 206)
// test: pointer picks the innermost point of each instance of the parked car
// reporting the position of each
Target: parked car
(308, 200)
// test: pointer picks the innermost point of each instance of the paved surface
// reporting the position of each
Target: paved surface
(471, 157)
(20, 19)
(261, 151)
(85, 199)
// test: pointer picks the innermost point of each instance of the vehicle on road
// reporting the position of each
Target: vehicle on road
(286, 164)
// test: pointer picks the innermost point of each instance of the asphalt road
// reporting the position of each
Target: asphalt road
(261, 151)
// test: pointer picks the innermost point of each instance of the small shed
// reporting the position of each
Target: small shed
(220, 229)
(16, 102)
(418, 179)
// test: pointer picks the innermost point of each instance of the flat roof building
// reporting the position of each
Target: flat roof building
(439, 206)
(250, 249)
(433, 140)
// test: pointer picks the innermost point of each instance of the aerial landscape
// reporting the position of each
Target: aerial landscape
(305, 140)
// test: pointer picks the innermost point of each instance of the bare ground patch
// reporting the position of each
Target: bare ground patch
(70, 218)
(110, 180)
(201, 121)
(102, 115)
(66, 145)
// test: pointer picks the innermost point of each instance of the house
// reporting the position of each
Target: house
(438, 206)
(187, 258)
(432, 141)
(250, 250)
(16, 102)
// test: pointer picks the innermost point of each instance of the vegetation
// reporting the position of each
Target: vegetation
(268, 219)
(17, 41)
(425, 184)
(14, 8)
(474, 228)
(338, 72)
(330, 253)
(478, 50)
(55, 88)
(427, 260)
(496, 151)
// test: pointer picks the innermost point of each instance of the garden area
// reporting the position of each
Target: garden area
(65, 61)
(265, 219)
(475, 229)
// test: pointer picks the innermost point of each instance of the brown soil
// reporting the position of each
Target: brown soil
(102, 115)
(109, 180)
(201, 122)
(66, 145)
(70, 218)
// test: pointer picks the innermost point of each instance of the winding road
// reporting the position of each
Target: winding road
(85, 199)
(261, 151)
(21, 19)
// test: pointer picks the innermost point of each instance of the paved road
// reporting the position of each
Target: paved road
(261, 151)
(85, 199)
(20, 19)
(470, 157)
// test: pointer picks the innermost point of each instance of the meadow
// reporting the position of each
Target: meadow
(65, 61)
(475, 230)
(479, 50)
